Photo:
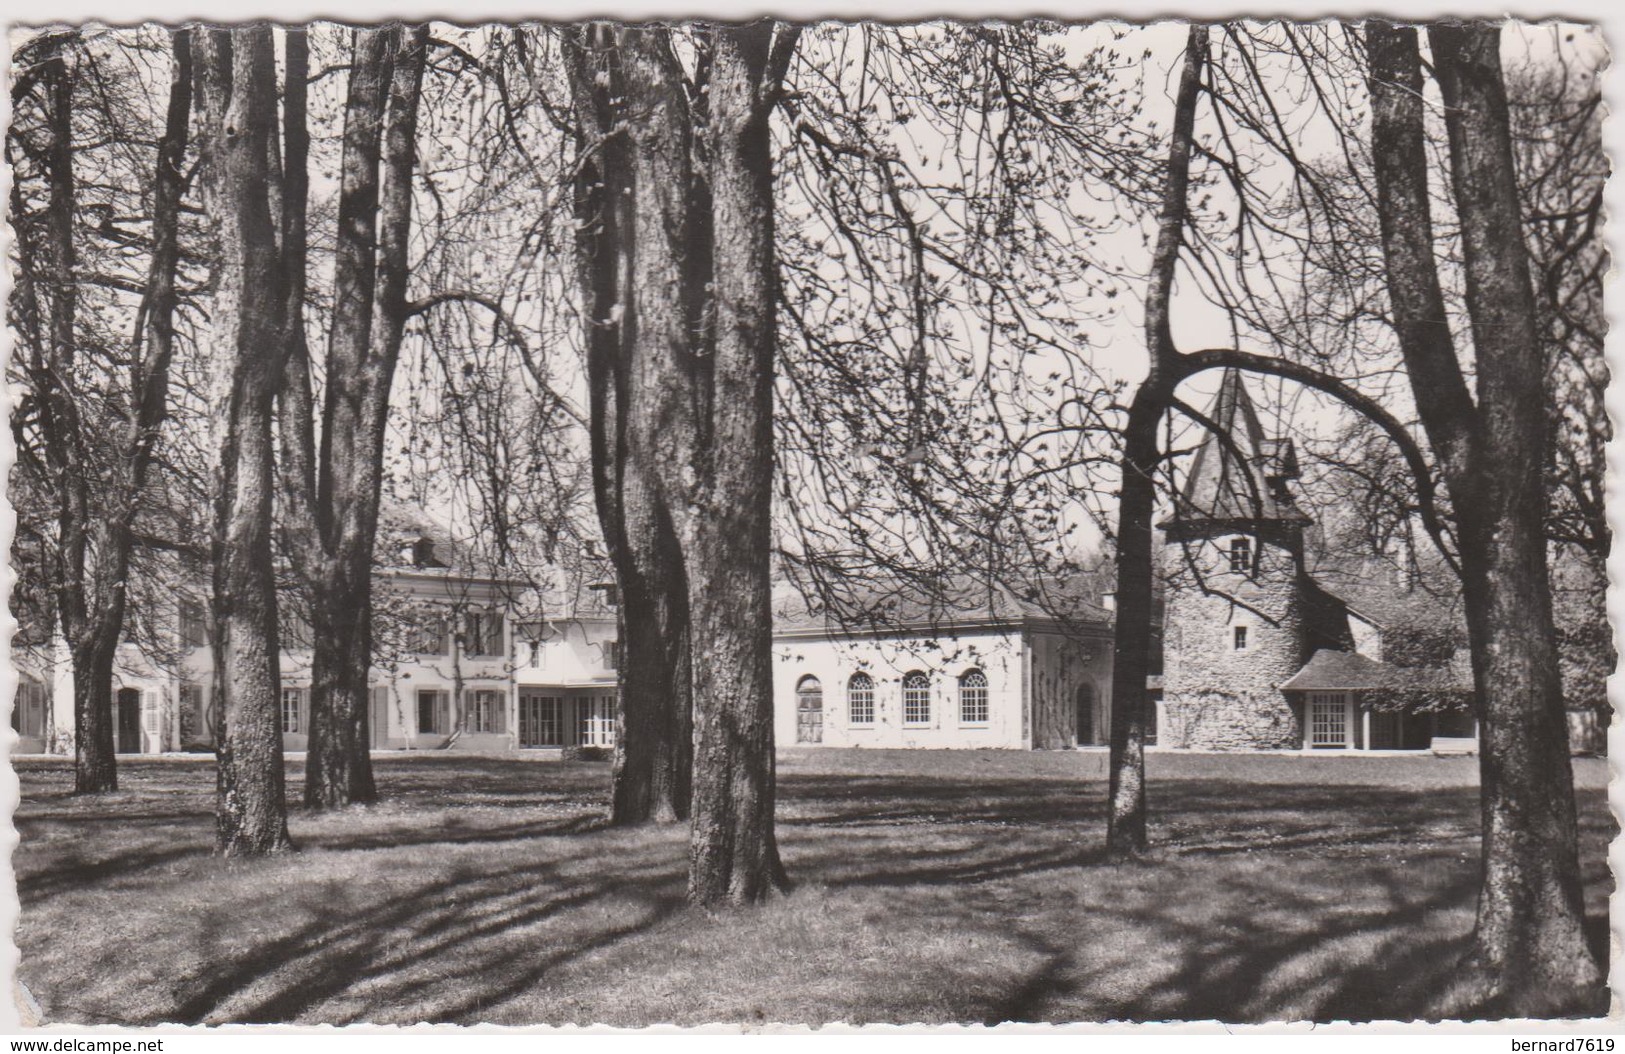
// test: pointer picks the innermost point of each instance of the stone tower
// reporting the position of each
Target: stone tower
(1242, 615)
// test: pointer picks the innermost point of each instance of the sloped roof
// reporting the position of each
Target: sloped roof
(961, 602)
(1347, 671)
(402, 526)
(1223, 486)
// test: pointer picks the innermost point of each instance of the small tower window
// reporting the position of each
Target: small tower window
(1241, 554)
(1240, 636)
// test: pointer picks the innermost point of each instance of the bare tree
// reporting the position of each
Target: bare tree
(237, 94)
(1531, 955)
(99, 482)
(334, 481)
(681, 279)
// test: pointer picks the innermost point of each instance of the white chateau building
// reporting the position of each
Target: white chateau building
(455, 670)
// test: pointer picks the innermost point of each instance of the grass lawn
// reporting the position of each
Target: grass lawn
(932, 886)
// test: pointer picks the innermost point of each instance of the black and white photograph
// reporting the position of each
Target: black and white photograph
(776, 522)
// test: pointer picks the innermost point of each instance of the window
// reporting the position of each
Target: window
(916, 699)
(860, 700)
(483, 711)
(194, 634)
(422, 554)
(295, 630)
(430, 707)
(1240, 638)
(194, 721)
(28, 713)
(973, 698)
(527, 644)
(293, 710)
(1328, 720)
(428, 637)
(541, 721)
(596, 716)
(1241, 554)
(482, 633)
(612, 654)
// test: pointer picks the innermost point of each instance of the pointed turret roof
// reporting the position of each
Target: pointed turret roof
(1240, 474)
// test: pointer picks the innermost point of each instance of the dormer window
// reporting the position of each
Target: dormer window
(1241, 554)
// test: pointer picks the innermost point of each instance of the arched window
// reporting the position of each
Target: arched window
(860, 699)
(916, 699)
(1087, 732)
(973, 698)
(809, 710)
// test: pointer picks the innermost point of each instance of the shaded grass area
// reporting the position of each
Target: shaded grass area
(931, 886)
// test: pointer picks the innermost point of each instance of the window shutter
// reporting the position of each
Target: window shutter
(442, 712)
(499, 700)
(378, 715)
(152, 729)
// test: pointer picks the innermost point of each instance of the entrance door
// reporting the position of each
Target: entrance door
(1086, 714)
(809, 711)
(127, 729)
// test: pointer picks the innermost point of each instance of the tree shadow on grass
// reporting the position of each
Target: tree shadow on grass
(455, 947)
(464, 896)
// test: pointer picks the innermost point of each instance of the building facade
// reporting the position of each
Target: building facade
(1257, 654)
(994, 674)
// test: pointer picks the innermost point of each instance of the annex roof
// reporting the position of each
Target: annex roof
(1346, 671)
(960, 605)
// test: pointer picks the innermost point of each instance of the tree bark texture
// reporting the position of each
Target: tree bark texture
(1530, 954)
(724, 523)
(677, 259)
(370, 310)
(654, 748)
(238, 93)
(1131, 644)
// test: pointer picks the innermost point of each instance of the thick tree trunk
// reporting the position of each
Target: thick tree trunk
(1131, 641)
(1530, 956)
(726, 531)
(1530, 940)
(676, 256)
(239, 95)
(654, 748)
(369, 315)
(654, 751)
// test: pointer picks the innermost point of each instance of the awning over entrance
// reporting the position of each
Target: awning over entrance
(1347, 671)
